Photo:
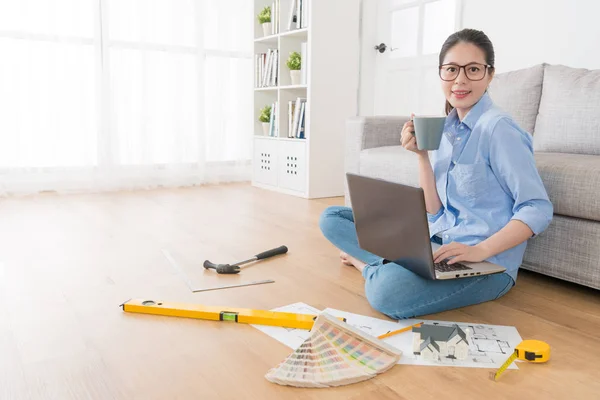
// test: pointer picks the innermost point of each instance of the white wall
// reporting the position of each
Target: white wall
(529, 32)
(524, 33)
(368, 40)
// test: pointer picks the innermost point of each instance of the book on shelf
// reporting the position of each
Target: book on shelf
(267, 69)
(296, 118)
(298, 16)
(291, 107)
(274, 69)
(274, 120)
(271, 119)
(303, 62)
(304, 19)
(300, 134)
(275, 12)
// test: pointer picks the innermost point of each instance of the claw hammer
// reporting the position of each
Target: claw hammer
(235, 268)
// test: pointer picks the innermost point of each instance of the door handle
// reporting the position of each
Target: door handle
(382, 47)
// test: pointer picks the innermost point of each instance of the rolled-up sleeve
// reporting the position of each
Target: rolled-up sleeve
(511, 159)
(432, 218)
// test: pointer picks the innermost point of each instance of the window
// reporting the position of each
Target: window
(125, 83)
(48, 94)
(420, 27)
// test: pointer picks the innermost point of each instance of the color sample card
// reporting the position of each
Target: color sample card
(335, 354)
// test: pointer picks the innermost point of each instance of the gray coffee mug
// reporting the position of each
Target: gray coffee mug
(428, 131)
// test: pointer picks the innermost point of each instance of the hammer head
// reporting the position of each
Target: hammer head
(222, 268)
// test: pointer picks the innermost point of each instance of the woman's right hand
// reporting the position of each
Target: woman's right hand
(408, 139)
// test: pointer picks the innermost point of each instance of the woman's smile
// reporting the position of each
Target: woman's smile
(461, 94)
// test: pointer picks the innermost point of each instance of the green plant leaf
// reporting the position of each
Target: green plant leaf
(265, 15)
(294, 61)
(265, 114)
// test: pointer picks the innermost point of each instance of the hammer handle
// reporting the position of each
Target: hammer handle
(273, 252)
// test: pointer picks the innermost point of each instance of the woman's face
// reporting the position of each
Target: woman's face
(460, 91)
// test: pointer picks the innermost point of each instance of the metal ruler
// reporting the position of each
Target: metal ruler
(190, 285)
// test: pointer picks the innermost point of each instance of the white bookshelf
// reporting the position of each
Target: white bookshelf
(312, 167)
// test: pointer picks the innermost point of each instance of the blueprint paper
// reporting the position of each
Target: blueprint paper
(490, 347)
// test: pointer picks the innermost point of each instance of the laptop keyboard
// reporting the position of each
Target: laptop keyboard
(443, 266)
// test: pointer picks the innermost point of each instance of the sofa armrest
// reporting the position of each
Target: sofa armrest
(369, 132)
(377, 131)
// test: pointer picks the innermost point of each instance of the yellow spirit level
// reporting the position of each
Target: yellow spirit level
(529, 350)
(216, 313)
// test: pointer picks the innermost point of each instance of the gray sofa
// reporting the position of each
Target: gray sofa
(560, 107)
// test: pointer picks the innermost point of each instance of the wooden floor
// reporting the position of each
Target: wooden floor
(68, 262)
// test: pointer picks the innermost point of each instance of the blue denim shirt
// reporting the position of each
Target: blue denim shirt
(486, 176)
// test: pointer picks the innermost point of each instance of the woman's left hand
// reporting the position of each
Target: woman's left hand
(459, 252)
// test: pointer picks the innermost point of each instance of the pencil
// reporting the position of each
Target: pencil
(399, 331)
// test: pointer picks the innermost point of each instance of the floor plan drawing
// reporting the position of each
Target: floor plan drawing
(489, 347)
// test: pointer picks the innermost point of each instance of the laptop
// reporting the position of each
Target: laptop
(391, 222)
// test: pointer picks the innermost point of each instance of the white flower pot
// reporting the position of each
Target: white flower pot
(265, 126)
(296, 76)
(267, 28)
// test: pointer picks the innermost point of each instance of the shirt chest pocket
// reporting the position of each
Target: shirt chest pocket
(471, 180)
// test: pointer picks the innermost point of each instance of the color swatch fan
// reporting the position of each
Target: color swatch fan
(335, 354)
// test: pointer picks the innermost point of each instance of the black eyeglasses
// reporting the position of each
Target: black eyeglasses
(473, 71)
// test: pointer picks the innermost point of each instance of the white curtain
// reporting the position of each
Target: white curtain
(123, 94)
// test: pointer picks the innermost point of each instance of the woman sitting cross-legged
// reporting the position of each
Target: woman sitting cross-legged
(483, 194)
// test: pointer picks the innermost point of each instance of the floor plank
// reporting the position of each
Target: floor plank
(67, 262)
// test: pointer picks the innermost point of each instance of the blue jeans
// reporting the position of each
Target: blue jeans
(400, 293)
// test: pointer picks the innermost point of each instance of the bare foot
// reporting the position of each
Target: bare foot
(344, 257)
(351, 261)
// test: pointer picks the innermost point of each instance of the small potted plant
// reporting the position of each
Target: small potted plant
(264, 18)
(294, 63)
(265, 118)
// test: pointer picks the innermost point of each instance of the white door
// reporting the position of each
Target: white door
(410, 34)
(450, 351)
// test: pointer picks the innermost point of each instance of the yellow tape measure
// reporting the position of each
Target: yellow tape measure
(529, 350)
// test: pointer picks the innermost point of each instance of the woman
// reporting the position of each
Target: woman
(483, 194)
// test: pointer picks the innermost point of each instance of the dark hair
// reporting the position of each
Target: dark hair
(473, 36)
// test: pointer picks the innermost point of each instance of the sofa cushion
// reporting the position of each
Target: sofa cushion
(392, 163)
(518, 93)
(572, 182)
(568, 250)
(569, 117)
